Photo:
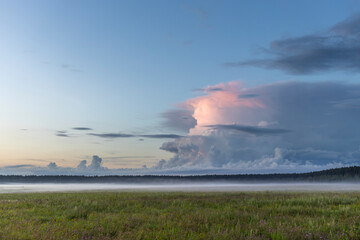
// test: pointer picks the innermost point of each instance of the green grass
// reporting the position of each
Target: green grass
(150, 215)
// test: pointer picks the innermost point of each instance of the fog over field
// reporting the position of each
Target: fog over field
(185, 187)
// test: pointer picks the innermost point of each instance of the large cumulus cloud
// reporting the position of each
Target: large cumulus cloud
(288, 125)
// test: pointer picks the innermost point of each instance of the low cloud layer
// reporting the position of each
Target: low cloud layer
(289, 126)
(337, 48)
(94, 168)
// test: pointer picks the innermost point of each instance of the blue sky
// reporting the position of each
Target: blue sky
(119, 66)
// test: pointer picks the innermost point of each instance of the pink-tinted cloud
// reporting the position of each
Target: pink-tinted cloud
(221, 105)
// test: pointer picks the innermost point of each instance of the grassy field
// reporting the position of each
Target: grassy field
(150, 215)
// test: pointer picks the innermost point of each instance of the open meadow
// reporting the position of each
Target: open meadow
(180, 215)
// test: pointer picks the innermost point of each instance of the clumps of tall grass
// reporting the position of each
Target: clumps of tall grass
(131, 215)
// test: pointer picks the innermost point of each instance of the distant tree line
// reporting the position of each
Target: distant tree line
(346, 174)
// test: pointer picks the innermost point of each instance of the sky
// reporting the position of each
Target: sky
(117, 87)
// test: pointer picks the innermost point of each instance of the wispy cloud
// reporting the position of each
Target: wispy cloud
(250, 129)
(70, 68)
(82, 128)
(21, 166)
(122, 135)
(335, 49)
(62, 133)
(111, 135)
(128, 157)
(160, 136)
